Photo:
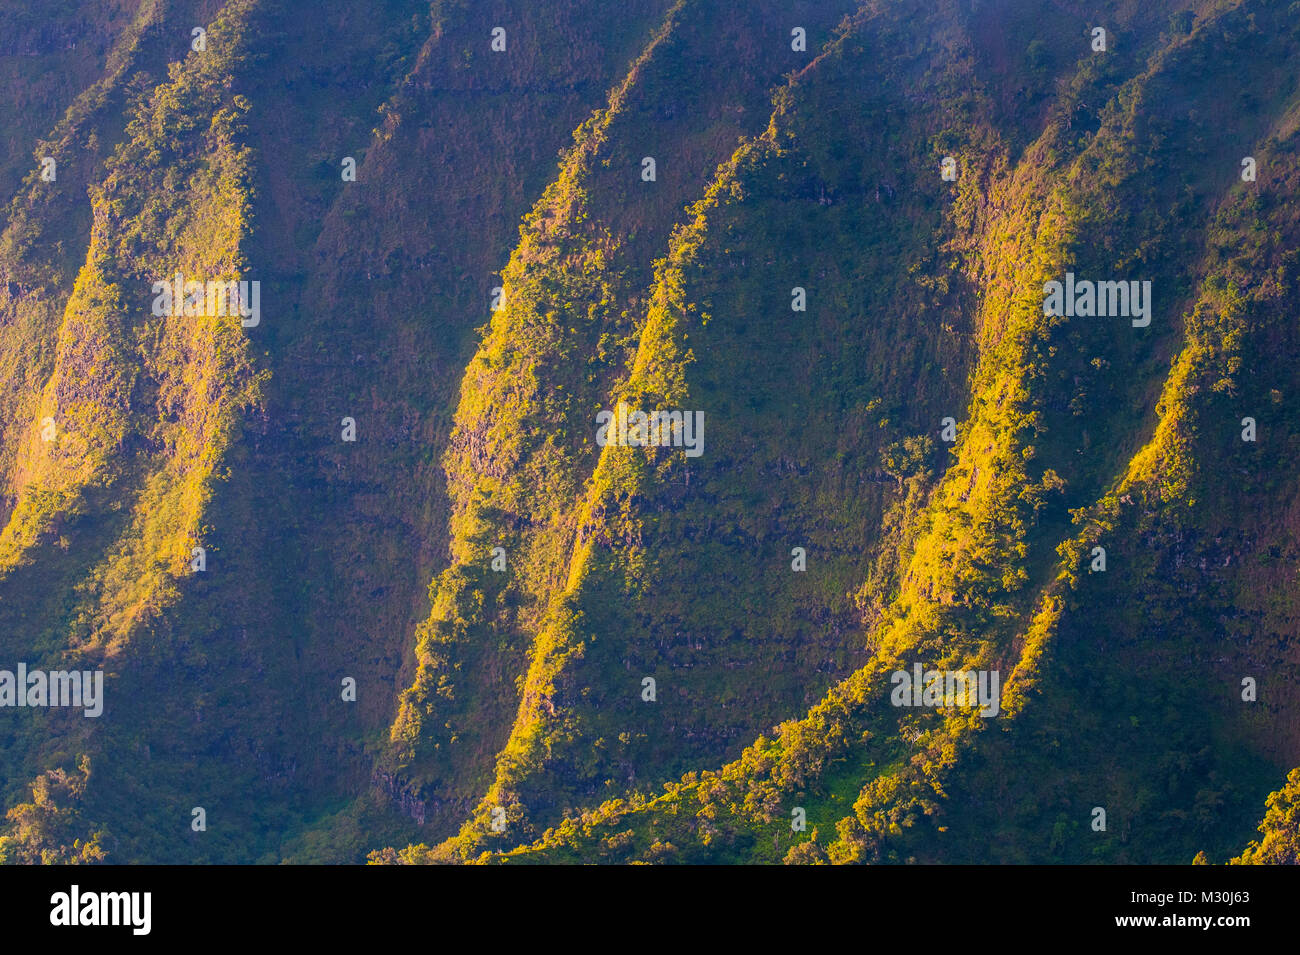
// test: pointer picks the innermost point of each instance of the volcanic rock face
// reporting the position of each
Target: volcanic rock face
(588, 510)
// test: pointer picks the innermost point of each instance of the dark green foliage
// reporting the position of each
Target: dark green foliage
(516, 694)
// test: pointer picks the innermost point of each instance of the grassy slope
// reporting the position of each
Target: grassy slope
(521, 447)
(143, 408)
(468, 122)
(821, 432)
(984, 574)
(250, 724)
(782, 392)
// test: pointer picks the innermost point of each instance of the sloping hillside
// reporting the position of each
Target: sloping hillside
(365, 574)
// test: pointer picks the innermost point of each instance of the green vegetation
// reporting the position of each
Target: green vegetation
(499, 714)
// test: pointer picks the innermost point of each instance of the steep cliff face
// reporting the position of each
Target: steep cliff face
(572, 299)
(979, 584)
(364, 570)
